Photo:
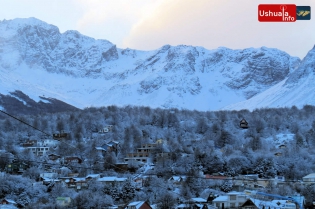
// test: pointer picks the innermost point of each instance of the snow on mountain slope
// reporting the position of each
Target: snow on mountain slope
(38, 60)
(298, 89)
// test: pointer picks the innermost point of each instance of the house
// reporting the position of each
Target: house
(48, 175)
(199, 203)
(48, 143)
(73, 160)
(112, 180)
(7, 201)
(60, 135)
(278, 154)
(177, 179)
(139, 205)
(29, 143)
(63, 201)
(282, 146)
(49, 178)
(106, 129)
(74, 182)
(243, 123)
(38, 150)
(16, 166)
(309, 179)
(142, 154)
(252, 203)
(111, 146)
(220, 202)
(250, 181)
(53, 157)
(121, 167)
(140, 181)
(231, 200)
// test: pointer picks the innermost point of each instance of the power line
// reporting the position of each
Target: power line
(33, 127)
(24, 122)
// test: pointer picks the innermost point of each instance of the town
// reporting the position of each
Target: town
(148, 169)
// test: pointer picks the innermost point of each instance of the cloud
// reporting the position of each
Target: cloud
(215, 23)
(112, 20)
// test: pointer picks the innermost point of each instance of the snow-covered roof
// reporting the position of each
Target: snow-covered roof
(272, 204)
(177, 178)
(235, 193)
(93, 176)
(100, 148)
(50, 179)
(10, 201)
(221, 199)
(112, 142)
(79, 179)
(183, 205)
(198, 199)
(312, 175)
(111, 178)
(137, 204)
(8, 207)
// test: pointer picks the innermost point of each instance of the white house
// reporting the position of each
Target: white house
(309, 179)
(231, 200)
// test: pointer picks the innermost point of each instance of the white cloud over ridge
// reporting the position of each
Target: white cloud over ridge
(150, 24)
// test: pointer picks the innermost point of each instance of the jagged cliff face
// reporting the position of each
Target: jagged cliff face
(97, 73)
(297, 89)
(39, 44)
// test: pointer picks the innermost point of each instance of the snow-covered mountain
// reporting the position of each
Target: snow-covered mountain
(38, 60)
(298, 89)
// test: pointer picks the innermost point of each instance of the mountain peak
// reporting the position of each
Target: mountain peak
(170, 76)
(20, 22)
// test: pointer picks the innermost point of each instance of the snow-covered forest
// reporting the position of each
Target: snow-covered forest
(278, 142)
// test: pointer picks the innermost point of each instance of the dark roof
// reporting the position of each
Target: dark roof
(243, 121)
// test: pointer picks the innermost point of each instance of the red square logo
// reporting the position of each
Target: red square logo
(277, 13)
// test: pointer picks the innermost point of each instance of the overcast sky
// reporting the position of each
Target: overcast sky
(150, 24)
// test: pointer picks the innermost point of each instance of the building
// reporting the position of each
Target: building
(74, 182)
(112, 180)
(53, 157)
(252, 203)
(16, 166)
(7, 201)
(60, 135)
(142, 154)
(106, 129)
(231, 200)
(177, 180)
(139, 205)
(63, 201)
(72, 160)
(243, 123)
(38, 150)
(309, 179)
(111, 146)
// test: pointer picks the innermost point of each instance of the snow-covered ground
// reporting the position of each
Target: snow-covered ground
(280, 139)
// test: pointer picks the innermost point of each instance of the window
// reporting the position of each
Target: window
(233, 197)
(218, 205)
(232, 205)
